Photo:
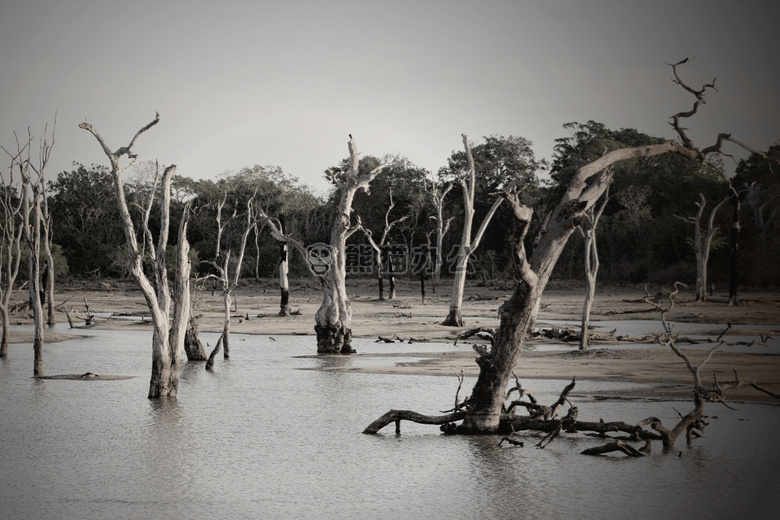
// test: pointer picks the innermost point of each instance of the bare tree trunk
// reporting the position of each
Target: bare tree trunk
(276, 228)
(11, 234)
(734, 271)
(390, 274)
(6, 324)
(32, 192)
(591, 271)
(380, 282)
(48, 283)
(591, 265)
(192, 344)
(422, 286)
(217, 348)
(702, 244)
(257, 253)
(442, 227)
(34, 266)
(166, 356)
(284, 284)
(519, 312)
(182, 308)
(230, 283)
(333, 320)
(495, 367)
(483, 411)
(383, 251)
(467, 244)
(228, 300)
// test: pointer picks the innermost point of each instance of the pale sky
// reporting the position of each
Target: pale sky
(283, 83)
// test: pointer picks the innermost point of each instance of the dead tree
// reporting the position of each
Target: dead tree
(442, 225)
(183, 317)
(11, 232)
(763, 211)
(483, 414)
(168, 336)
(545, 418)
(734, 247)
(48, 273)
(588, 230)
(333, 320)
(703, 243)
(284, 281)
(228, 280)
(467, 244)
(31, 173)
(382, 253)
(276, 228)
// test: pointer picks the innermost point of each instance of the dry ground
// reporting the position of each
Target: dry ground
(406, 317)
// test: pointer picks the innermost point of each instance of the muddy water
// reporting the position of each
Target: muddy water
(262, 438)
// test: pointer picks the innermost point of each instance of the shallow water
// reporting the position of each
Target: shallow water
(261, 438)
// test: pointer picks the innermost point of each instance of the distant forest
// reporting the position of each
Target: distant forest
(645, 235)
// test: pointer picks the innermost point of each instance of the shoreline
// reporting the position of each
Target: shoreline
(407, 317)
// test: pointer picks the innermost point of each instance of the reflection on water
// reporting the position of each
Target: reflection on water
(261, 438)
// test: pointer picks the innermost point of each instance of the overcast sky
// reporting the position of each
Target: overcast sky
(283, 83)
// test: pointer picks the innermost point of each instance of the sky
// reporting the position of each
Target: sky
(239, 83)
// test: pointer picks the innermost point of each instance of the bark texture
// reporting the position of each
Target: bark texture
(193, 346)
(166, 355)
(588, 230)
(483, 409)
(334, 317)
(467, 243)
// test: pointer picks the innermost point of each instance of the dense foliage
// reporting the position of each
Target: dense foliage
(641, 235)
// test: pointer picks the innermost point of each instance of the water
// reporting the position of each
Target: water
(261, 438)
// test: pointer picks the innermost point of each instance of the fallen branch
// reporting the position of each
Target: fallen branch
(614, 446)
(397, 416)
(217, 348)
(485, 333)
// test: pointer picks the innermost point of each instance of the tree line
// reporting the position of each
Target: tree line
(643, 234)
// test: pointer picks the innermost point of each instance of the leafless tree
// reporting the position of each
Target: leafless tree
(333, 320)
(703, 243)
(48, 274)
(31, 192)
(763, 210)
(467, 244)
(380, 251)
(168, 335)
(229, 280)
(442, 225)
(484, 412)
(10, 246)
(588, 230)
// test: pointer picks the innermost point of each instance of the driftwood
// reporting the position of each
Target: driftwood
(397, 416)
(544, 419)
(484, 413)
(486, 333)
(217, 348)
(393, 339)
(618, 445)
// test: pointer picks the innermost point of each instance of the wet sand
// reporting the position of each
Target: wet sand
(407, 318)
